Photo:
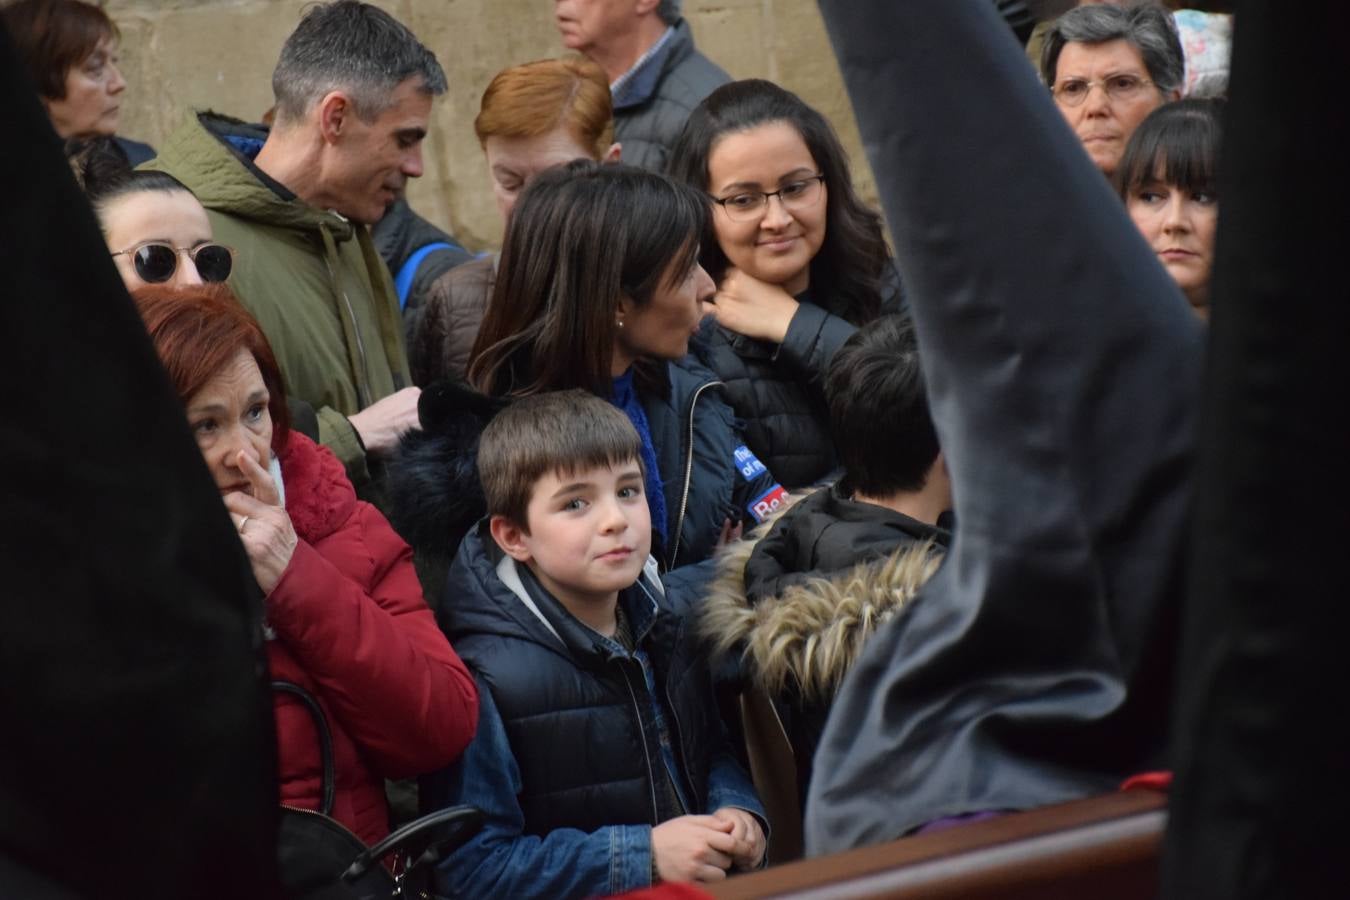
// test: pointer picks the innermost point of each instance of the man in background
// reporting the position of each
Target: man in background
(656, 75)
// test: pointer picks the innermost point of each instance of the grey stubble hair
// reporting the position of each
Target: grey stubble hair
(1148, 27)
(351, 46)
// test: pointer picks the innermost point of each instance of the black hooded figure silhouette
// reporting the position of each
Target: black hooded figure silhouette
(1259, 805)
(138, 754)
(1064, 374)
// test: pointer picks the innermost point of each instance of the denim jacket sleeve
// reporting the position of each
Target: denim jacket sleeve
(729, 785)
(502, 861)
(812, 338)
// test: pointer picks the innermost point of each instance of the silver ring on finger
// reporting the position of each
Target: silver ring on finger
(242, 523)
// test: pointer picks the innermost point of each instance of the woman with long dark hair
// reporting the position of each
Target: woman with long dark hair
(600, 288)
(532, 117)
(799, 259)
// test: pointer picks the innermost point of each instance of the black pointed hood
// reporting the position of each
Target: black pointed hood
(139, 756)
(1063, 368)
(1261, 793)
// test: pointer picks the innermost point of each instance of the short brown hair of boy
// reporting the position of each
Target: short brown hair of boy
(561, 432)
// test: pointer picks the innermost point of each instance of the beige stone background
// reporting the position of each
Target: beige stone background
(219, 54)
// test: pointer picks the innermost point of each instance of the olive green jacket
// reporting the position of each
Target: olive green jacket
(311, 277)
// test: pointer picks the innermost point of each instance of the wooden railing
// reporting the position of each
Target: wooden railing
(1103, 848)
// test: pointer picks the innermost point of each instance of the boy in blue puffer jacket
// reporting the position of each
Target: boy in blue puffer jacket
(600, 761)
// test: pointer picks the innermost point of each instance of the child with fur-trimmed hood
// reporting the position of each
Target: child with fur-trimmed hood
(798, 603)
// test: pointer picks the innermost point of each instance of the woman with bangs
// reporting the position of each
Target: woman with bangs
(1167, 178)
(599, 288)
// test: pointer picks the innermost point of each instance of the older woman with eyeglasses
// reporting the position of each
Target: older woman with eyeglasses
(157, 231)
(799, 260)
(1108, 67)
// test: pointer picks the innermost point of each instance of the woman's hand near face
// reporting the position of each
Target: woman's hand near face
(754, 308)
(269, 540)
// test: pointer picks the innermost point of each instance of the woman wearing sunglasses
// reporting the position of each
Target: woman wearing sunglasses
(156, 230)
(799, 263)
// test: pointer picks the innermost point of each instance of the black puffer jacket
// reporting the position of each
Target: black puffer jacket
(828, 533)
(800, 602)
(557, 685)
(707, 474)
(778, 390)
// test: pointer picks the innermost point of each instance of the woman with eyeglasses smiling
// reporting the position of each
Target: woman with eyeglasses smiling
(157, 231)
(799, 260)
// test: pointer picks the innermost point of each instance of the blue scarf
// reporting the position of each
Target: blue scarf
(626, 398)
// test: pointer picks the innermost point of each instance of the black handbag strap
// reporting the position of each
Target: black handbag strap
(325, 740)
(421, 841)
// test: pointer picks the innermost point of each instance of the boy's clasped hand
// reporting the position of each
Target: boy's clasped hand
(703, 848)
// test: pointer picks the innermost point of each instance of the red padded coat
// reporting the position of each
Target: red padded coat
(351, 628)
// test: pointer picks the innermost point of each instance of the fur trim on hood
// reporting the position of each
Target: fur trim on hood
(809, 637)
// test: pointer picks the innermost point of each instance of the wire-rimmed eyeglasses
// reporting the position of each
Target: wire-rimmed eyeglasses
(1122, 86)
(746, 205)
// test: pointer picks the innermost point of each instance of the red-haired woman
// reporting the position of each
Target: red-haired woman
(533, 117)
(345, 618)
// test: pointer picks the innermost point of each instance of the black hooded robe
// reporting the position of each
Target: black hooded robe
(135, 717)
(1259, 806)
(1063, 369)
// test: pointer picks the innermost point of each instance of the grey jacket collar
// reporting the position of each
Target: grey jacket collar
(636, 86)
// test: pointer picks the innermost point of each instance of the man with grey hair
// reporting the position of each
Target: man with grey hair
(353, 91)
(656, 75)
(1109, 67)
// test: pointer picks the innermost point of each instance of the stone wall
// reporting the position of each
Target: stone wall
(181, 54)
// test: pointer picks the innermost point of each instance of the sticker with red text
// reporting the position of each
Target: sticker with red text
(766, 504)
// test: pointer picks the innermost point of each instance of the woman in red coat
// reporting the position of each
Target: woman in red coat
(344, 614)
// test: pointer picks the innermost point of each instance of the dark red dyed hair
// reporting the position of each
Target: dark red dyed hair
(54, 36)
(197, 330)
